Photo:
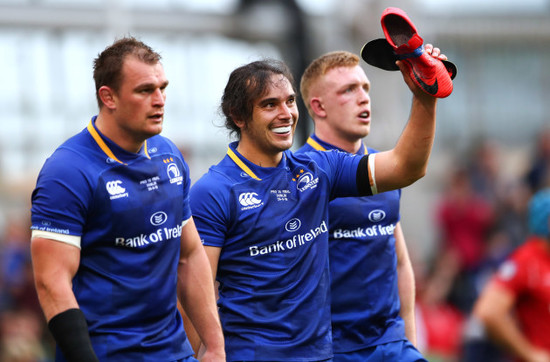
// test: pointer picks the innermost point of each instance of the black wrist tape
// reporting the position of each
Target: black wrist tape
(70, 331)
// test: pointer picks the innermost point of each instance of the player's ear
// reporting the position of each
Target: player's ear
(317, 107)
(239, 122)
(107, 96)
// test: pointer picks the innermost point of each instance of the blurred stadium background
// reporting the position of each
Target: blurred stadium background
(496, 114)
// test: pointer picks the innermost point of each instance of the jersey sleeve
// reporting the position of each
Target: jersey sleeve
(512, 273)
(61, 196)
(341, 169)
(210, 209)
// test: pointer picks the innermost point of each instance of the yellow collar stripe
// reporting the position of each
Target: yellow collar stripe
(106, 148)
(318, 147)
(315, 144)
(241, 164)
(101, 143)
(145, 149)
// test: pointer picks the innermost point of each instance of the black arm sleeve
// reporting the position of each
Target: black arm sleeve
(70, 331)
(362, 178)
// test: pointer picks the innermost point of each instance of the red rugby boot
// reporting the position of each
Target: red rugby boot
(429, 73)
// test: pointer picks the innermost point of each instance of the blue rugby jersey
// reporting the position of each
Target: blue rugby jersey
(363, 266)
(128, 209)
(271, 224)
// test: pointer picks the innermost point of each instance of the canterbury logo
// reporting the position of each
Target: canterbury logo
(249, 199)
(114, 188)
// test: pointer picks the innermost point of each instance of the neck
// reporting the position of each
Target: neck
(348, 145)
(105, 125)
(260, 158)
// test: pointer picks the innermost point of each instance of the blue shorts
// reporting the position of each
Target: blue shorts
(402, 351)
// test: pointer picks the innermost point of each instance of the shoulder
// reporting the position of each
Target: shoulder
(330, 158)
(217, 182)
(305, 148)
(530, 246)
(76, 156)
(161, 144)
(308, 156)
(210, 198)
(521, 259)
(213, 180)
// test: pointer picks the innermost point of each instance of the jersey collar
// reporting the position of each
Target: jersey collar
(233, 155)
(247, 166)
(103, 145)
(320, 145)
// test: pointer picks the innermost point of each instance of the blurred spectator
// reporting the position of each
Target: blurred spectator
(23, 332)
(508, 196)
(484, 169)
(511, 212)
(20, 337)
(538, 174)
(15, 265)
(463, 219)
(513, 307)
(476, 345)
(439, 323)
(480, 220)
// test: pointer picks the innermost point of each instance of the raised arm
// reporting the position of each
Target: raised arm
(196, 294)
(408, 160)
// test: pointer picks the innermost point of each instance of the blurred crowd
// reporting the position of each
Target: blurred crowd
(23, 332)
(479, 217)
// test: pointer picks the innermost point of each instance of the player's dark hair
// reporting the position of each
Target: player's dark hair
(245, 85)
(108, 64)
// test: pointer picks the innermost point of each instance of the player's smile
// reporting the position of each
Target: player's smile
(282, 129)
(271, 129)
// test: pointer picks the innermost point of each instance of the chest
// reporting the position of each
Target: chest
(291, 203)
(369, 211)
(137, 205)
